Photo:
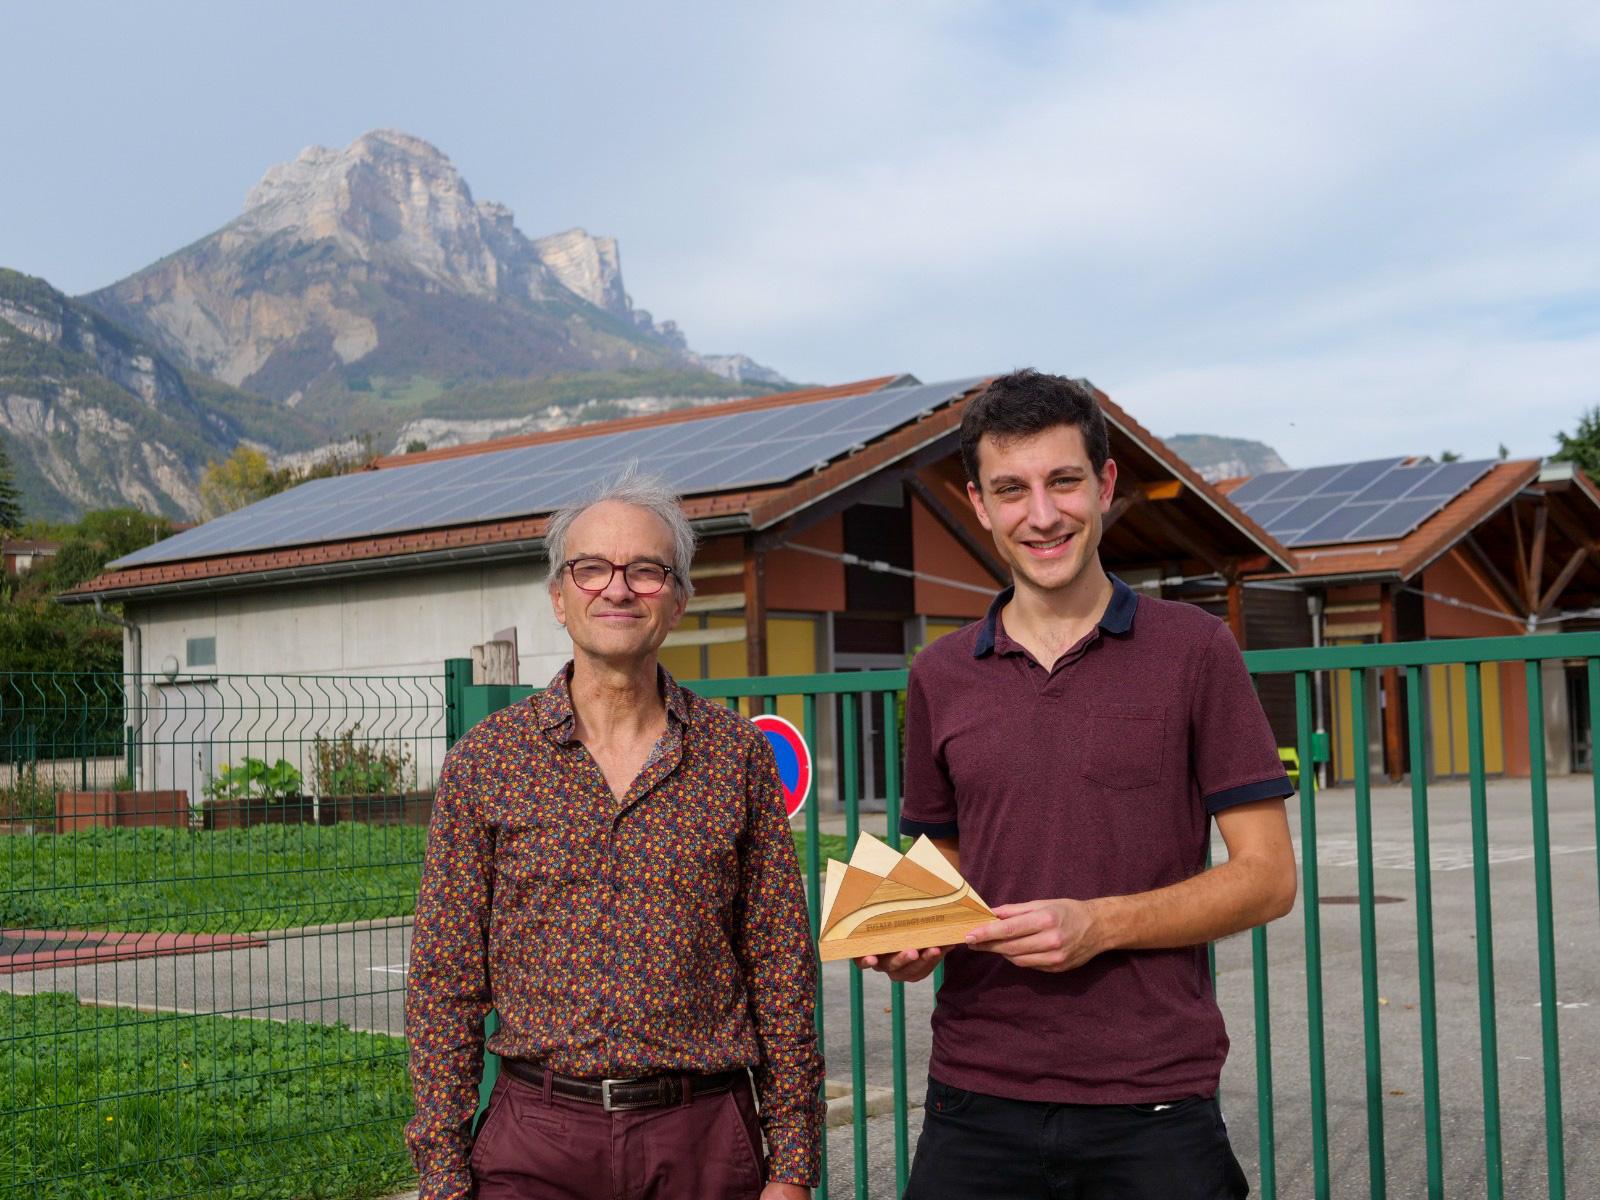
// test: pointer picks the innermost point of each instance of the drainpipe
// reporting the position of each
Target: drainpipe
(1314, 603)
(136, 715)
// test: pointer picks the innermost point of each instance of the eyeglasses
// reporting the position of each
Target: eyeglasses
(594, 575)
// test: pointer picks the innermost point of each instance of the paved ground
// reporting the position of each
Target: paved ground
(354, 975)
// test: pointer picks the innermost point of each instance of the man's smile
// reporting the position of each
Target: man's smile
(1048, 548)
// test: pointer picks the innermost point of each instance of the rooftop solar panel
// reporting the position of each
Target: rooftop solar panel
(1310, 482)
(1356, 476)
(713, 452)
(1260, 488)
(1396, 520)
(1356, 502)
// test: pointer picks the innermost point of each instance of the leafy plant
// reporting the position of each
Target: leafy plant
(348, 767)
(28, 795)
(254, 780)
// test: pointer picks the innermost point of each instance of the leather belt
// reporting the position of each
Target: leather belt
(613, 1095)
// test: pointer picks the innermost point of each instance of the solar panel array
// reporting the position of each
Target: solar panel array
(708, 454)
(1378, 500)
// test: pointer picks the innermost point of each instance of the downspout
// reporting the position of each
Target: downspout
(136, 691)
(1314, 603)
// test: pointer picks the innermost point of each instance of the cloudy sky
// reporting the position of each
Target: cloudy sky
(1346, 229)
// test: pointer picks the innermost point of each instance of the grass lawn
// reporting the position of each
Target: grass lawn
(227, 881)
(113, 1104)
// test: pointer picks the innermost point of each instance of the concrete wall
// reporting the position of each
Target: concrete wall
(385, 624)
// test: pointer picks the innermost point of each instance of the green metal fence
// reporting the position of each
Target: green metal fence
(205, 886)
(204, 889)
(1314, 1113)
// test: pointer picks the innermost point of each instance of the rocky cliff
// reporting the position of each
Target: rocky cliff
(94, 417)
(1218, 457)
(369, 279)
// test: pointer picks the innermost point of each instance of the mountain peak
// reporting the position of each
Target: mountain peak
(376, 262)
(386, 196)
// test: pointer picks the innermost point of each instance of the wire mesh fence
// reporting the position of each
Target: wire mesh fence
(205, 890)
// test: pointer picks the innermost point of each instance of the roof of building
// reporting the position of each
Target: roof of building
(476, 502)
(1405, 556)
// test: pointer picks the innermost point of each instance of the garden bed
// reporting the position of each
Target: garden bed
(124, 809)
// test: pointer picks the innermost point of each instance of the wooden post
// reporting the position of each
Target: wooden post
(1393, 726)
(1236, 607)
(755, 609)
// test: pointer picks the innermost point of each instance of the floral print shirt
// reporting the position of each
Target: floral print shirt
(666, 932)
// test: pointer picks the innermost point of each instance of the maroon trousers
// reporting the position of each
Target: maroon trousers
(534, 1146)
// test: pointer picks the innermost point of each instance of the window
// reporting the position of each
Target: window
(201, 652)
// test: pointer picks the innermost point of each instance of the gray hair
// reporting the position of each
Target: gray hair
(642, 491)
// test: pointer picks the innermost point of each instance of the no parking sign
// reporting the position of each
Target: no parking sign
(794, 759)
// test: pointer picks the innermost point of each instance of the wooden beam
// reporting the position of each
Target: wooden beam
(1119, 508)
(1497, 581)
(1166, 489)
(1524, 588)
(1164, 519)
(1553, 593)
(1541, 517)
(1236, 614)
(705, 637)
(952, 525)
(716, 602)
(755, 608)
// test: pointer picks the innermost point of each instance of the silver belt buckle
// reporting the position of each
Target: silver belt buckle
(608, 1105)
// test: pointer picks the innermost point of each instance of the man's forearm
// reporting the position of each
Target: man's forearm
(1238, 894)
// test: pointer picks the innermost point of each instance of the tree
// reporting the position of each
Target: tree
(10, 498)
(242, 478)
(100, 537)
(1583, 446)
(1449, 456)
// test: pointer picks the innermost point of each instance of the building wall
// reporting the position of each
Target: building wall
(389, 625)
(938, 553)
(1455, 576)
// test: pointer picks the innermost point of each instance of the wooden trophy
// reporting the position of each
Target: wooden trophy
(883, 902)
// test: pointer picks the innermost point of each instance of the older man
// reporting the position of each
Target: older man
(610, 869)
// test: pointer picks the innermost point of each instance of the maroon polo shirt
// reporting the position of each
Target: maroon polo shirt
(1097, 777)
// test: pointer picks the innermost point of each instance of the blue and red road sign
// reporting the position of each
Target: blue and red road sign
(794, 759)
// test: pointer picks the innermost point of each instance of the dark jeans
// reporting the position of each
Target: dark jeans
(978, 1147)
(533, 1148)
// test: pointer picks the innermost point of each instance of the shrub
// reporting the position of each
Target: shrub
(347, 767)
(254, 780)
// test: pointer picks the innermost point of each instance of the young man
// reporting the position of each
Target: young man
(1069, 751)
(609, 867)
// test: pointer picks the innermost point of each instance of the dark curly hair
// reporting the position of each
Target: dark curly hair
(1027, 402)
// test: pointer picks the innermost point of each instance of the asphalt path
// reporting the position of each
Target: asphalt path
(354, 975)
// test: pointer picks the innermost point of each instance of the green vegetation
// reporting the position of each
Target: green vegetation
(37, 633)
(223, 881)
(115, 1104)
(10, 497)
(1582, 447)
(27, 797)
(254, 780)
(347, 767)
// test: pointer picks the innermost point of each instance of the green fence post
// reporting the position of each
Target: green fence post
(1258, 965)
(808, 722)
(1310, 899)
(1377, 1171)
(1592, 674)
(1427, 992)
(849, 763)
(897, 991)
(1487, 1035)
(457, 678)
(1546, 932)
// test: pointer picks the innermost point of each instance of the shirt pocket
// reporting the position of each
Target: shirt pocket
(1124, 745)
